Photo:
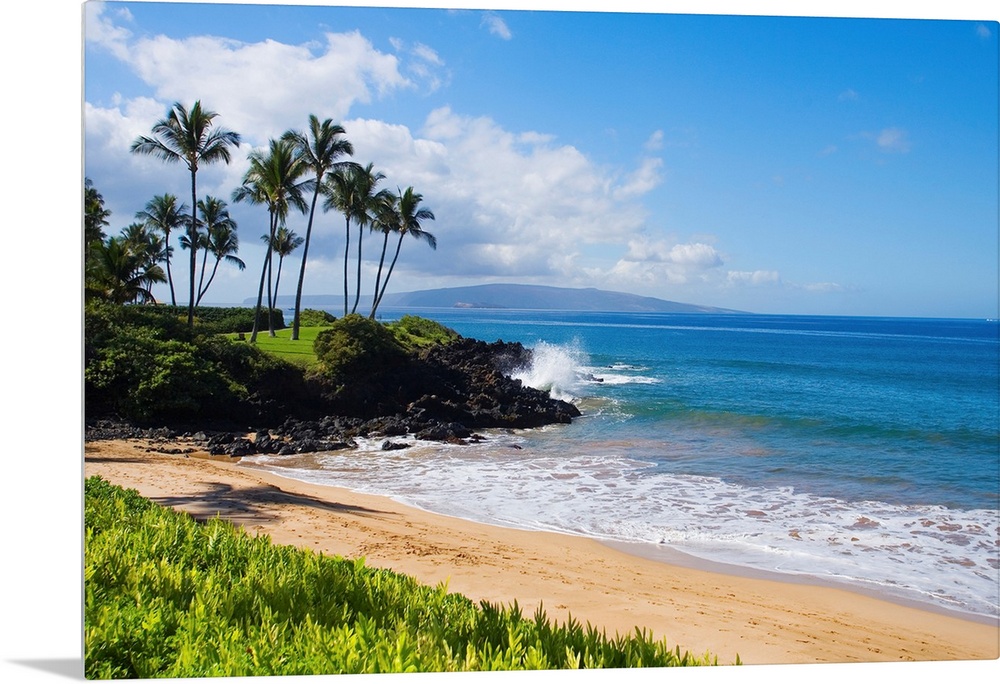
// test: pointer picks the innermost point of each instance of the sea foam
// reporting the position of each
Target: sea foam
(555, 369)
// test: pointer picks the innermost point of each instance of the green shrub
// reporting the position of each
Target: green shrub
(414, 332)
(355, 347)
(144, 364)
(172, 320)
(314, 318)
(219, 320)
(141, 376)
(165, 596)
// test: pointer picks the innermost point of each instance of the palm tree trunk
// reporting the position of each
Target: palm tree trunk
(193, 237)
(260, 288)
(305, 253)
(270, 297)
(277, 277)
(347, 250)
(201, 278)
(210, 278)
(357, 293)
(388, 275)
(170, 278)
(378, 276)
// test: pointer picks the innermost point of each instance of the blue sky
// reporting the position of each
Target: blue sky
(774, 164)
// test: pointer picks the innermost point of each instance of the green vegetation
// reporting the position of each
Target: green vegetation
(211, 320)
(124, 269)
(190, 138)
(320, 149)
(272, 180)
(354, 347)
(299, 352)
(316, 318)
(414, 332)
(218, 239)
(402, 215)
(166, 596)
(144, 363)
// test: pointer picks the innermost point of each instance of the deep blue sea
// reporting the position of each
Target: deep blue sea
(863, 451)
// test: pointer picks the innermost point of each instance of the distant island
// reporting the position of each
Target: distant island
(508, 296)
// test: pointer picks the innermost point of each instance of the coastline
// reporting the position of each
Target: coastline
(680, 559)
(763, 620)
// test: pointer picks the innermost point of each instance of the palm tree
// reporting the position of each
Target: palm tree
(189, 137)
(320, 148)
(272, 179)
(145, 242)
(121, 272)
(283, 243)
(339, 190)
(163, 214)
(219, 239)
(95, 216)
(410, 217)
(385, 219)
(352, 192)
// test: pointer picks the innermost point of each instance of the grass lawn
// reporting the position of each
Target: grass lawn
(300, 351)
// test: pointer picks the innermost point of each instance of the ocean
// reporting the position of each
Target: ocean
(863, 452)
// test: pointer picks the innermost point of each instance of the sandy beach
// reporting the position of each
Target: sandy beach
(761, 620)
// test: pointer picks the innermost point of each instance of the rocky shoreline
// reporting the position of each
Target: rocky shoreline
(445, 393)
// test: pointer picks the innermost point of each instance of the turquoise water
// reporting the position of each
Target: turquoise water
(860, 450)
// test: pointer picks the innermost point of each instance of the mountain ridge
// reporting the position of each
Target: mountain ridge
(513, 296)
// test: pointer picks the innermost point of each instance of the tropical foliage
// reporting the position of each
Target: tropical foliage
(315, 318)
(166, 596)
(122, 270)
(405, 217)
(217, 237)
(319, 148)
(189, 137)
(283, 243)
(281, 178)
(273, 180)
(414, 332)
(164, 214)
(144, 364)
(354, 347)
(95, 215)
(351, 191)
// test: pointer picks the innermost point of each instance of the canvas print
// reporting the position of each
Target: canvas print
(450, 340)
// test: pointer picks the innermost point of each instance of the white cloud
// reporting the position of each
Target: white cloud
(773, 279)
(642, 180)
(983, 31)
(265, 86)
(824, 287)
(893, 140)
(100, 30)
(651, 263)
(496, 25)
(849, 95)
(423, 63)
(655, 141)
(518, 202)
(427, 54)
(755, 278)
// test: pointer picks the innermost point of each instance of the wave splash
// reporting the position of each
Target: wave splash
(556, 369)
